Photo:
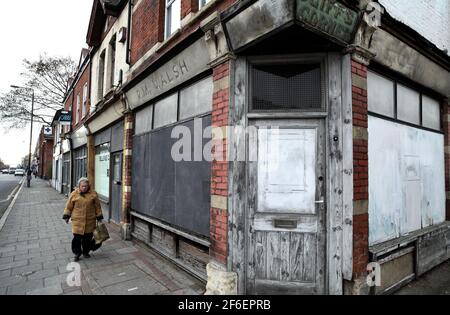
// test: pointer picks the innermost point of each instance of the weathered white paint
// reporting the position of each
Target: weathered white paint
(347, 164)
(403, 59)
(286, 170)
(406, 179)
(79, 137)
(110, 115)
(258, 19)
(120, 59)
(286, 241)
(430, 18)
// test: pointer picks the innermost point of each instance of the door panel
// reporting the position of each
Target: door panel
(286, 208)
(286, 170)
(116, 186)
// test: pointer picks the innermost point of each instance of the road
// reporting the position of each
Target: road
(7, 185)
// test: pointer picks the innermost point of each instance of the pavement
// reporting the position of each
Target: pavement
(36, 256)
(434, 282)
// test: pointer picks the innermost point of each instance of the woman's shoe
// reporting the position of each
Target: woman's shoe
(76, 258)
(86, 256)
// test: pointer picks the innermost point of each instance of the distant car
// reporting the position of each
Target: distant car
(5, 171)
(19, 172)
(12, 170)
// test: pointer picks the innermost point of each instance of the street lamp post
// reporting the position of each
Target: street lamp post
(31, 129)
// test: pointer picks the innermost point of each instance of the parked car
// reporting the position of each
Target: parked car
(19, 172)
(12, 170)
(5, 171)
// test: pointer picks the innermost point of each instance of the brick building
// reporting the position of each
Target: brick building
(70, 138)
(44, 153)
(273, 146)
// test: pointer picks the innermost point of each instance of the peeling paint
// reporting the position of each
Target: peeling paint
(406, 179)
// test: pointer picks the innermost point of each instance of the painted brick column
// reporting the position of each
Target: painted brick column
(360, 171)
(220, 280)
(219, 172)
(126, 174)
(446, 126)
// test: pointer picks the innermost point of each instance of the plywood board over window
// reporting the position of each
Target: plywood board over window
(406, 179)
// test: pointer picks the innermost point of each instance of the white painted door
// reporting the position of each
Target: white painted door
(286, 207)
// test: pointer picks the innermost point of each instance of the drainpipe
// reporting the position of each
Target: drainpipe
(130, 12)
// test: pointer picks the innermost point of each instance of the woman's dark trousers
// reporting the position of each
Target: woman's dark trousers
(83, 244)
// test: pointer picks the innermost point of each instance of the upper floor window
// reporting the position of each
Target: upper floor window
(173, 16)
(101, 75)
(84, 108)
(77, 110)
(202, 3)
(112, 62)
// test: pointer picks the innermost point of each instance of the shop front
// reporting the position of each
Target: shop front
(298, 205)
(80, 155)
(171, 179)
(108, 145)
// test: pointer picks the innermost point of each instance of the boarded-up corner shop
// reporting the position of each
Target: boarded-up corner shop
(360, 114)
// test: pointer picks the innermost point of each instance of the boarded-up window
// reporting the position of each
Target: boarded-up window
(177, 193)
(380, 94)
(406, 179)
(166, 111)
(196, 99)
(408, 105)
(144, 120)
(431, 113)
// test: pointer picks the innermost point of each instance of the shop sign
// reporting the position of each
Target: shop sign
(329, 17)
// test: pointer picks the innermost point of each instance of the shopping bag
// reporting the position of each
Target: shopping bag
(101, 233)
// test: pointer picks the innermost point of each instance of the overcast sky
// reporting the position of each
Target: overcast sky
(30, 28)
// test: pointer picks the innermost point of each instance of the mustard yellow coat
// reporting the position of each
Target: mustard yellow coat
(84, 211)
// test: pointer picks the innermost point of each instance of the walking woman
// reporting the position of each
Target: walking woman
(83, 207)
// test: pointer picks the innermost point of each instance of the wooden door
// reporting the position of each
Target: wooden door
(286, 207)
(116, 187)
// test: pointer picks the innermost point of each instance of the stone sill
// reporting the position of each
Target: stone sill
(188, 236)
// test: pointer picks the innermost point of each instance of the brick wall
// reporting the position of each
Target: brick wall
(430, 18)
(78, 90)
(219, 180)
(147, 27)
(188, 6)
(360, 169)
(47, 159)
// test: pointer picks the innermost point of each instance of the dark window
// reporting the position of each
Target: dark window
(80, 161)
(287, 87)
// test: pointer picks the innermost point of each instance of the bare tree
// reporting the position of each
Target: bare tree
(2, 164)
(49, 77)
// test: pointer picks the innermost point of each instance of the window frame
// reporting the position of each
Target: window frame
(171, 93)
(112, 47)
(203, 3)
(421, 90)
(84, 108)
(168, 22)
(101, 75)
(77, 110)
